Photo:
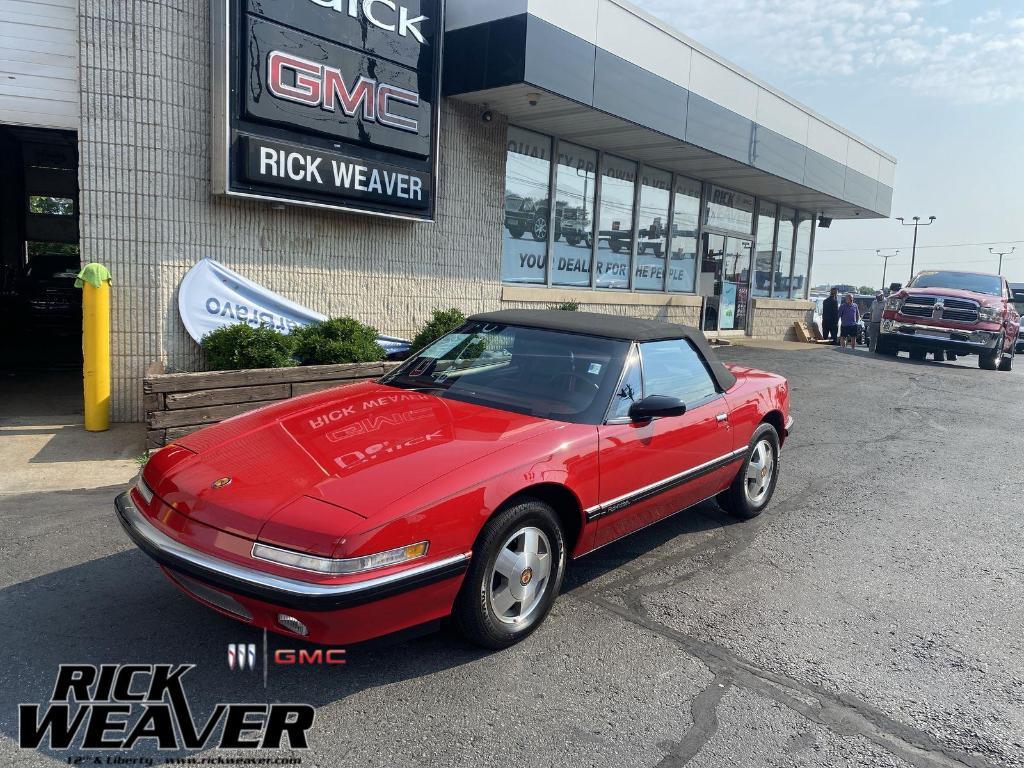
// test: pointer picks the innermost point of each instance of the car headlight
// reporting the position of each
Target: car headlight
(894, 303)
(990, 314)
(335, 566)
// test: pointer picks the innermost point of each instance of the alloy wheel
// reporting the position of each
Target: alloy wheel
(760, 471)
(540, 228)
(520, 576)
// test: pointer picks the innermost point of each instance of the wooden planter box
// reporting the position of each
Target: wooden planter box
(180, 403)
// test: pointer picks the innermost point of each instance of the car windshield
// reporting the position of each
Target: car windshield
(962, 281)
(549, 374)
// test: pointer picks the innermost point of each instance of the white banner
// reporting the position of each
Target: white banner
(212, 296)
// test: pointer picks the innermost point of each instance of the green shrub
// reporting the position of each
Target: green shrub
(443, 321)
(338, 340)
(567, 306)
(238, 347)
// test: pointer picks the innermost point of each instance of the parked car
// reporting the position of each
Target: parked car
(463, 482)
(523, 215)
(966, 313)
(49, 301)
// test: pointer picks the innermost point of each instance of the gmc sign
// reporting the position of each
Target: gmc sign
(329, 103)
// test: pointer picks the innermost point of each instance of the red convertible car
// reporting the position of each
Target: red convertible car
(463, 482)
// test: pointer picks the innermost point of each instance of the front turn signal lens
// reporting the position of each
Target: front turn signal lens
(339, 567)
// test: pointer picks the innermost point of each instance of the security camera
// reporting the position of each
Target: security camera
(533, 98)
(486, 116)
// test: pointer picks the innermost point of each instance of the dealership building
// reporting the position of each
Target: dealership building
(382, 158)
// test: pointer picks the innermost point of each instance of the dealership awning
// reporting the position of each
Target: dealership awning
(611, 77)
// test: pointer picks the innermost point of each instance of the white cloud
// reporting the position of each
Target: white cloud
(911, 43)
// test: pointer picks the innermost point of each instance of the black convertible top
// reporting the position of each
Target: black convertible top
(610, 327)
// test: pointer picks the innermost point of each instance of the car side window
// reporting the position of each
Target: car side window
(674, 368)
(630, 390)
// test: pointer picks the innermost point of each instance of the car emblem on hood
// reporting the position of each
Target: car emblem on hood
(222, 483)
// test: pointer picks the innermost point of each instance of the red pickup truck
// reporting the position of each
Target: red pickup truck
(956, 313)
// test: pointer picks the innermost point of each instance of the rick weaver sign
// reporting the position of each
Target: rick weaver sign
(329, 103)
(212, 296)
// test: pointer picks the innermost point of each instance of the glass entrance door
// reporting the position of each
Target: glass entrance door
(725, 282)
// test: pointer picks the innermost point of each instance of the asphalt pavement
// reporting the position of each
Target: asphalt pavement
(871, 617)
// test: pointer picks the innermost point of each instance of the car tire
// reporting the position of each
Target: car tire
(749, 495)
(940, 357)
(952, 356)
(516, 232)
(572, 241)
(990, 361)
(918, 354)
(511, 547)
(883, 347)
(1006, 364)
(539, 228)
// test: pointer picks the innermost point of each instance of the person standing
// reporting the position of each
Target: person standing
(877, 308)
(849, 316)
(830, 316)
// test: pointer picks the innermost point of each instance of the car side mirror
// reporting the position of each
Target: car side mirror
(656, 407)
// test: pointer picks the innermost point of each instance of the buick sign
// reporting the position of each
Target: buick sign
(329, 103)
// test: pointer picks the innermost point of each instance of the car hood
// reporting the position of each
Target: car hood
(344, 454)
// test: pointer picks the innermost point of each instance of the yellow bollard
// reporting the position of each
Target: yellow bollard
(94, 279)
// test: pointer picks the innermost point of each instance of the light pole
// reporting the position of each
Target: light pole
(915, 224)
(1000, 254)
(885, 269)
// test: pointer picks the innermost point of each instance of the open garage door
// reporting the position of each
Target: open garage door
(39, 254)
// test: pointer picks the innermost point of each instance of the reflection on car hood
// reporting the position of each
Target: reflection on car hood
(360, 447)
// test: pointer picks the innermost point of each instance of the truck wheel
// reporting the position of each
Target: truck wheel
(616, 246)
(514, 576)
(989, 361)
(516, 232)
(918, 354)
(940, 357)
(883, 347)
(540, 227)
(1006, 364)
(755, 483)
(951, 356)
(572, 241)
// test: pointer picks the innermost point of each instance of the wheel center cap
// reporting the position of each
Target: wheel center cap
(764, 473)
(526, 577)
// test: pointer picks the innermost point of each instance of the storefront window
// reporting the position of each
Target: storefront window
(682, 264)
(574, 215)
(765, 259)
(527, 178)
(801, 256)
(729, 210)
(615, 234)
(652, 242)
(784, 249)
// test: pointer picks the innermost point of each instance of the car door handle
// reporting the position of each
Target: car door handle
(722, 417)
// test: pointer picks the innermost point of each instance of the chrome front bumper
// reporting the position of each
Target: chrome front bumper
(911, 332)
(276, 590)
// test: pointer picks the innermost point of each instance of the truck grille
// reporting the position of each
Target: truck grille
(918, 306)
(957, 310)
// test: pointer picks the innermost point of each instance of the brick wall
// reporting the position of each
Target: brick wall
(147, 211)
(774, 318)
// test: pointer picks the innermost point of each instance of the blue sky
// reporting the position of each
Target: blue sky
(939, 84)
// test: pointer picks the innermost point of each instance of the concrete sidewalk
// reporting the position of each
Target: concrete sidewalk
(44, 445)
